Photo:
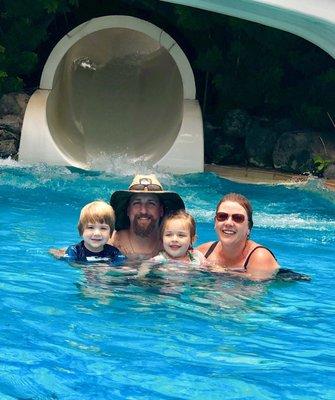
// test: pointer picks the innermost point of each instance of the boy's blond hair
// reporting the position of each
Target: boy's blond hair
(96, 212)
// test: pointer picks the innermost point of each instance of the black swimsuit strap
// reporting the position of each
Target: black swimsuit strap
(214, 244)
(211, 249)
(250, 254)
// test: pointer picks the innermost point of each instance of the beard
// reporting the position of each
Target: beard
(144, 230)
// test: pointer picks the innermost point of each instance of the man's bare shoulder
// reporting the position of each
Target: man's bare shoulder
(120, 240)
(118, 236)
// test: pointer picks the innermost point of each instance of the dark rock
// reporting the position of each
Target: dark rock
(8, 147)
(13, 103)
(260, 142)
(12, 123)
(4, 134)
(325, 145)
(330, 172)
(236, 123)
(212, 136)
(230, 151)
(284, 125)
(221, 149)
(294, 151)
(225, 145)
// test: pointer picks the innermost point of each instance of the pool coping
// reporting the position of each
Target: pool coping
(260, 176)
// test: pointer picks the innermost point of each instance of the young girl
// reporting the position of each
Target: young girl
(178, 234)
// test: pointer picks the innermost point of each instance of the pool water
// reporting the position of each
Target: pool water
(71, 333)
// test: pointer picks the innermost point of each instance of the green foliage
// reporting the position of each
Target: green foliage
(23, 28)
(210, 59)
(191, 20)
(51, 6)
(259, 69)
(221, 153)
(320, 164)
(237, 64)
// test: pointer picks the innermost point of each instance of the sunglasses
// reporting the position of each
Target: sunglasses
(222, 216)
(146, 185)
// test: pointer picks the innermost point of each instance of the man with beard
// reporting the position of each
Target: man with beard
(138, 212)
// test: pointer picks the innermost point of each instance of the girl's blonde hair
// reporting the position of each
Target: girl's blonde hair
(96, 212)
(180, 214)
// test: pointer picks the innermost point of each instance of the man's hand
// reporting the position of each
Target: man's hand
(57, 253)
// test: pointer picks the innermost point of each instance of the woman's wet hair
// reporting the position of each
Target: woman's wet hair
(179, 215)
(242, 201)
(96, 212)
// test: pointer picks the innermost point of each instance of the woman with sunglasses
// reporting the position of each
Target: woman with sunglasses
(234, 252)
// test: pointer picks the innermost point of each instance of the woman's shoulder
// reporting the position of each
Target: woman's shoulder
(261, 262)
(204, 247)
(258, 251)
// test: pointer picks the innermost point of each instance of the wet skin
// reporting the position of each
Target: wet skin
(144, 212)
(230, 232)
(176, 239)
(95, 236)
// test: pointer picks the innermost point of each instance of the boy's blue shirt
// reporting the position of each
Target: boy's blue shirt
(79, 253)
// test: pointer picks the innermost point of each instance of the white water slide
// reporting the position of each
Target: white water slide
(118, 85)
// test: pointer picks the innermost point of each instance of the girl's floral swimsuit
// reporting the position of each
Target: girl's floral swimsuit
(194, 257)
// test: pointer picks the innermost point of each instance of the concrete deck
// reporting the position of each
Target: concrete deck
(256, 175)
(330, 184)
(259, 176)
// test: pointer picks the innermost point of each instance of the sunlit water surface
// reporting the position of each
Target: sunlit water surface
(71, 333)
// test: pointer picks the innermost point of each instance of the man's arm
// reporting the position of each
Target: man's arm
(57, 253)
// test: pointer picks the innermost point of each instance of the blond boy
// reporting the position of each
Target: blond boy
(95, 226)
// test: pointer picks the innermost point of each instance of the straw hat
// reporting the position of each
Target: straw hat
(149, 184)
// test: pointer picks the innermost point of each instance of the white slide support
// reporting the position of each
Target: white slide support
(115, 86)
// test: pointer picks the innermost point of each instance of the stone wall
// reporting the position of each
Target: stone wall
(270, 144)
(241, 140)
(12, 108)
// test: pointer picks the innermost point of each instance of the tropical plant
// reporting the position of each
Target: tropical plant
(23, 28)
(320, 164)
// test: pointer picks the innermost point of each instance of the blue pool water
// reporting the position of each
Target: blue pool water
(83, 334)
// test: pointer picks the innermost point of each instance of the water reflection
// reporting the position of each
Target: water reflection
(193, 287)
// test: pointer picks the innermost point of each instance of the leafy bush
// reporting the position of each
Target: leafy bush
(23, 28)
(320, 164)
